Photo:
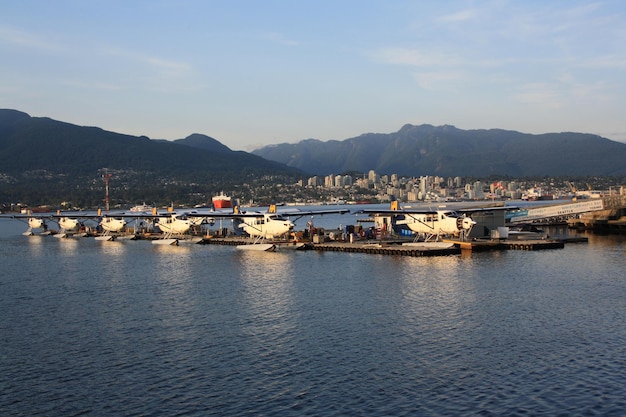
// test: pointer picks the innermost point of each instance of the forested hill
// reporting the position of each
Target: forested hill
(448, 151)
(40, 143)
(42, 156)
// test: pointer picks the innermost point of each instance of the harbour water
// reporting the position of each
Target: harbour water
(130, 328)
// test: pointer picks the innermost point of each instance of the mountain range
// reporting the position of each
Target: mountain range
(448, 151)
(42, 158)
(40, 143)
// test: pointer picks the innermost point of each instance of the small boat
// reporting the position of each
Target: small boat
(142, 208)
(222, 201)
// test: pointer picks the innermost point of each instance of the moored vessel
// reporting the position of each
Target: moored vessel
(222, 201)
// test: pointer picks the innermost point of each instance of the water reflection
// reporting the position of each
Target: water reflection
(68, 245)
(436, 280)
(36, 244)
(267, 296)
(112, 249)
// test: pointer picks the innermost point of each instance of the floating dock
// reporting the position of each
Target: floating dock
(395, 247)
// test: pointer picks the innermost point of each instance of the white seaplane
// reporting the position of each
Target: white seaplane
(112, 227)
(272, 225)
(36, 223)
(174, 227)
(429, 225)
(68, 226)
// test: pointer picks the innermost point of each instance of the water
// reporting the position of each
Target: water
(129, 328)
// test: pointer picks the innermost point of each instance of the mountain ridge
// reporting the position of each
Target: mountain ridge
(448, 151)
(43, 159)
(43, 143)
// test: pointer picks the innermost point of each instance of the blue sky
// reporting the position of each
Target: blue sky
(252, 73)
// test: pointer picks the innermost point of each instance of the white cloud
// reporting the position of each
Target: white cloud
(280, 39)
(413, 57)
(26, 39)
(606, 62)
(540, 94)
(437, 80)
(459, 16)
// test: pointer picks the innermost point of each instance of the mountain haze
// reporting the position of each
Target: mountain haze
(448, 151)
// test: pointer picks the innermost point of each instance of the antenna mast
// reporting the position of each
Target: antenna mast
(106, 177)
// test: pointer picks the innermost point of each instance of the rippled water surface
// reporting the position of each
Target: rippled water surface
(130, 328)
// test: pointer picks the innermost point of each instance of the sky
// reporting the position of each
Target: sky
(252, 73)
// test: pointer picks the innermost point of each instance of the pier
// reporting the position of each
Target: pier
(395, 248)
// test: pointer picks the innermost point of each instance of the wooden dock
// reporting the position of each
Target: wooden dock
(384, 249)
(395, 248)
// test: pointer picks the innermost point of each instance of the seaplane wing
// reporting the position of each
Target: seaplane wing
(397, 211)
(301, 213)
(471, 211)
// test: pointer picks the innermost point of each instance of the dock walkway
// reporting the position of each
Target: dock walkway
(395, 248)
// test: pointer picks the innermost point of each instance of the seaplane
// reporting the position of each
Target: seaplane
(173, 227)
(68, 226)
(272, 225)
(428, 225)
(112, 227)
(35, 223)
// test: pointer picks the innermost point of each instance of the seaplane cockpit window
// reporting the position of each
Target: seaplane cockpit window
(278, 217)
(453, 214)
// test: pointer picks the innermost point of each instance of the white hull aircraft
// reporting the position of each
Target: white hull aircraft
(268, 225)
(173, 226)
(36, 223)
(427, 224)
(68, 226)
(112, 226)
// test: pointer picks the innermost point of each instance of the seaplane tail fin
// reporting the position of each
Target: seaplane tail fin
(393, 205)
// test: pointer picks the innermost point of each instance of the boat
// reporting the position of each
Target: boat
(222, 201)
(141, 208)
